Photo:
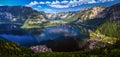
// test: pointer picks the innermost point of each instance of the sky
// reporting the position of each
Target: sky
(55, 6)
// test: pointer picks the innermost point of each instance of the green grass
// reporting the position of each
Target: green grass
(27, 26)
(110, 28)
(97, 36)
(49, 23)
(9, 49)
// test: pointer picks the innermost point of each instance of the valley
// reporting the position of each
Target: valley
(76, 33)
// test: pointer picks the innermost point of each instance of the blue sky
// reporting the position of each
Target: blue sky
(54, 6)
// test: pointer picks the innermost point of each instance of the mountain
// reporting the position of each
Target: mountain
(36, 22)
(17, 14)
(61, 15)
(64, 17)
(90, 13)
(48, 19)
(113, 12)
(34, 19)
(105, 20)
(112, 25)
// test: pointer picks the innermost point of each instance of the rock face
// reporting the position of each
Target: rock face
(92, 13)
(113, 12)
(61, 15)
(112, 25)
(36, 20)
(17, 14)
(84, 14)
(95, 44)
(41, 48)
(110, 28)
(95, 12)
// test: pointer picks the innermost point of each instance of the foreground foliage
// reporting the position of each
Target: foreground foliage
(111, 28)
(8, 49)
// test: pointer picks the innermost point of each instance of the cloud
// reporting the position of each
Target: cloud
(39, 6)
(73, 3)
(48, 10)
(67, 4)
(32, 3)
(41, 2)
(1, 5)
(47, 2)
(64, 2)
(105, 1)
(92, 1)
(36, 8)
(55, 3)
(59, 6)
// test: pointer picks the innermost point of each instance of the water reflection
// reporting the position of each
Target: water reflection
(58, 32)
(37, 36)
(23, 40)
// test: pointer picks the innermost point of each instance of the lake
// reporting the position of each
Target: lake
(42, 36)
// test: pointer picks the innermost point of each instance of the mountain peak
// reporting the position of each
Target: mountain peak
(16, 14)
(113, 12)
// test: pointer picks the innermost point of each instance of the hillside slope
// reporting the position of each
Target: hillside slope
(112, 26)
(17, 14)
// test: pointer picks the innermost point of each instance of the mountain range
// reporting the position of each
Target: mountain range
(17, 14)
(103, 23)
(28, 18)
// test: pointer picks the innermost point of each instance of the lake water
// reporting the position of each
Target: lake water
(37, 36)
